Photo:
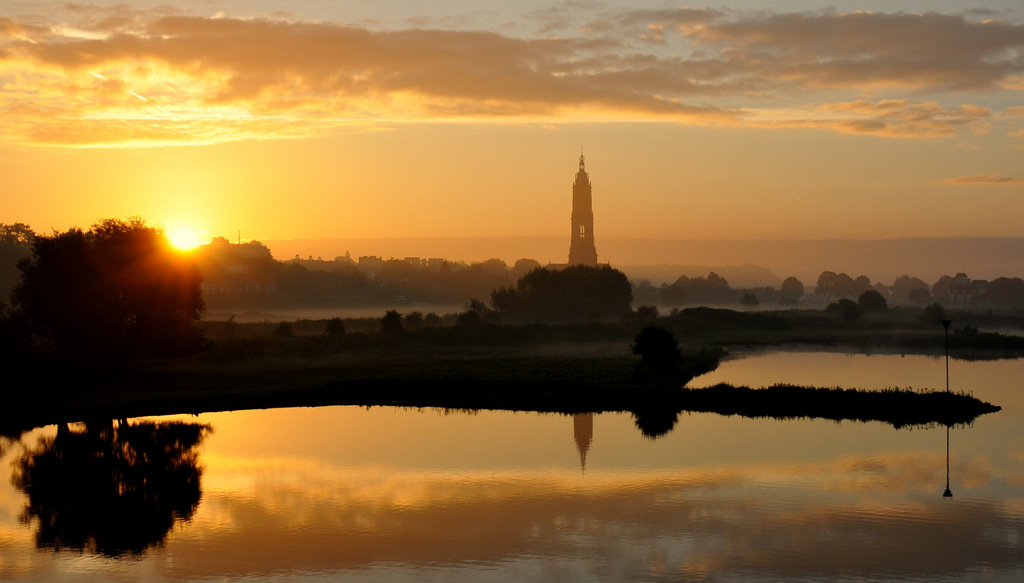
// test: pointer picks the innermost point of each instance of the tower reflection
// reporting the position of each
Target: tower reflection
(583, 431)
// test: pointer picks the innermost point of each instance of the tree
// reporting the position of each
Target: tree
(860, 285)
(391, 323)
(476, 313)
(522, 267)
(940, 289)
(714, 289)
(904, 286)
(577, 292)
(414, 320)
(658, 349)
(846, 308)
(934, 313)
(826, 285)
(919, 295)
(1005, 291)
(15, 244)
(647, 313)
(663, 363)
(748, 299)
(335, 327)
(872, 301)
(792, 290)
(116, 292)
(284, 330)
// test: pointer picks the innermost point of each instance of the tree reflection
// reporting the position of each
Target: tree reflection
(111, 488)
(654, 422)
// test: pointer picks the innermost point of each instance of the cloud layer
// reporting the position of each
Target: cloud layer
(158, 77)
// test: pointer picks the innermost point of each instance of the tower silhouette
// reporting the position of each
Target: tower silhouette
(581, 246)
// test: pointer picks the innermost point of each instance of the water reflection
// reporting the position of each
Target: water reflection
(655, 422)
(583, 433)
(111, 488)
(947, 493)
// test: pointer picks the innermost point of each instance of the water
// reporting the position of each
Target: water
(385, 494)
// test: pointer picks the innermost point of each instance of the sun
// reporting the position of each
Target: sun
(183, 239)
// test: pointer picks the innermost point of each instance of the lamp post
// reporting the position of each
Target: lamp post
(947, 493)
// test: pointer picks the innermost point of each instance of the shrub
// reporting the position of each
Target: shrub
(335, 327)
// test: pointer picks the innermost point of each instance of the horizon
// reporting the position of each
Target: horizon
(882, 260)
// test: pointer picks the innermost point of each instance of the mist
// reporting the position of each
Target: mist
(664, 260)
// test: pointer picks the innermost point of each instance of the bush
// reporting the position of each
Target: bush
(391, 323)
(647, 313)
(284, 330)
(335, 327)
(846, 308)
(414, 320)
(657, 349)
(934, 313)
(872, 301)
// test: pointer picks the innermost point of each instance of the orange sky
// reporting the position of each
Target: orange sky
(395, 120)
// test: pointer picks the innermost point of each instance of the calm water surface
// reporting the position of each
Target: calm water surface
(386, 494)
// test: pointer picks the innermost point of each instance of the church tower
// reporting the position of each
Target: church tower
(581, 247)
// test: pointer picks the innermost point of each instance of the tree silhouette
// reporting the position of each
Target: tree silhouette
(846, 308)
(792, 289)
(391, 323)
(658, 349)
(872, 301)
(15, 244)
(335, 327)
(905, 285)
(577, 292)
(113, 293)
(1006, 291)
(663, 363)
(112, 489)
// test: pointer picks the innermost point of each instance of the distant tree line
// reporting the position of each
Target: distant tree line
(831, 287)
(246, 274)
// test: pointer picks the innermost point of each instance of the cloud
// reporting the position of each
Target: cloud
(210, 79)
(854, 50)
(984, 179)
(888, 118)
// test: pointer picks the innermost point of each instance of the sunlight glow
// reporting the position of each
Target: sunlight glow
(183, 239)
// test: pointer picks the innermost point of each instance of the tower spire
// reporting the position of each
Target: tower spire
(581, 246)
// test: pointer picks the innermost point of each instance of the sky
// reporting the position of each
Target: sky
(321, 119)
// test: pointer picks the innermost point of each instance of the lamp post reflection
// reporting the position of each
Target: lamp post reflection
(948, 493)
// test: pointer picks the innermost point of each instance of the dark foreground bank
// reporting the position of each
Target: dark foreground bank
(655, 408)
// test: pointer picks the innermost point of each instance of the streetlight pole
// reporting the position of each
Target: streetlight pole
(947, 493)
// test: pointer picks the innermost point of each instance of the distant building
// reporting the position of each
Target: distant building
(964, 290)
(581, 247)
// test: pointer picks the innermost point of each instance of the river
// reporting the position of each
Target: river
(386, 494)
